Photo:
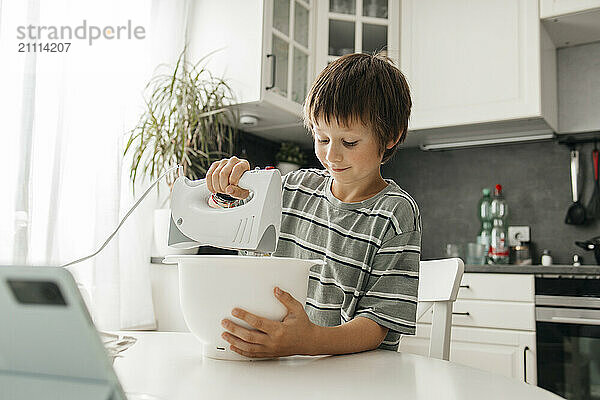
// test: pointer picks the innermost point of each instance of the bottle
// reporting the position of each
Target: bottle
(499, 252)
(546, 258)
(485, 220)
(485, 234)
(484, 211)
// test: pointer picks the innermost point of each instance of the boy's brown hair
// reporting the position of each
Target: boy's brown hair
(362, 88)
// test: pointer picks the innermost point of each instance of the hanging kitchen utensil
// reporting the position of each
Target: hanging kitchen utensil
(593, 208)
(576, 214)
(592, 244)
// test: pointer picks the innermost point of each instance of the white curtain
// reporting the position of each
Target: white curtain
(64, 119)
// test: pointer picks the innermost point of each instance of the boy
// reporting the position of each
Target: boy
(366, 229)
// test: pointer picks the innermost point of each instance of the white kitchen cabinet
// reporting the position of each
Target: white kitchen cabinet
(356, 26)
(571, 22)
(491, 314)
(265, 50)
(493, 326)
(499, 287)
(506, 352)
(555, 8)
(477, 69)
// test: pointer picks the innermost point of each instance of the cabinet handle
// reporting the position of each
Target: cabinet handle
(464, 287)
(273, 71)
(581, 321)
(525, 363)
(461, 313)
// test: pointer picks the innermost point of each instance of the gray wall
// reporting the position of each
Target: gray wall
(535, 177)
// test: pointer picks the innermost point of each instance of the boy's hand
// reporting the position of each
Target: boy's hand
(224, 175)
(271, 338)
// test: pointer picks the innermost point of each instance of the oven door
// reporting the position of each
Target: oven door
(568, 351)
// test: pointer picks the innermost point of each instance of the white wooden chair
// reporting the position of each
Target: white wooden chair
(439, 281)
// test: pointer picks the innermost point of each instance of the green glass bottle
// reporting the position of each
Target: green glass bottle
(485, 220)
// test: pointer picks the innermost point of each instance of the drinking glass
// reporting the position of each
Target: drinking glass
(452, 250)
(476, 253)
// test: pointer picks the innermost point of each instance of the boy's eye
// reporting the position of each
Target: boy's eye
(349, 144)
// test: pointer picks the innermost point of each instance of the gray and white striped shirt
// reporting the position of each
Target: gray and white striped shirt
(371, 251)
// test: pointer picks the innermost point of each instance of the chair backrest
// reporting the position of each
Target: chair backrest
(439, 281)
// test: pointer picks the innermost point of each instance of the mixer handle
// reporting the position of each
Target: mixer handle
(253, 179)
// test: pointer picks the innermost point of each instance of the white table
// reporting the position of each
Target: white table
(170, 365)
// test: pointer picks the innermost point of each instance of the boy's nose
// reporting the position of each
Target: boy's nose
(334, 154)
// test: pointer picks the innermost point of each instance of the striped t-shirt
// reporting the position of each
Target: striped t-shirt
(371, 251)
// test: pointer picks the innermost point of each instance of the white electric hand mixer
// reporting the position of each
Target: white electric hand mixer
(252, 226)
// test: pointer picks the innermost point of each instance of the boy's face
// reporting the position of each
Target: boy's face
(350, 154)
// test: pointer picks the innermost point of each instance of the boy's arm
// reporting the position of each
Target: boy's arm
(358, 335)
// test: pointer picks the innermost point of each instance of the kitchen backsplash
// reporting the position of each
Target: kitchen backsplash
(536, 183)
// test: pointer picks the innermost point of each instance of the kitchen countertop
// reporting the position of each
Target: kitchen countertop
(171, 366)
(590, 270)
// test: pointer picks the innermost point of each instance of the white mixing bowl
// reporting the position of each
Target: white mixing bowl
(211, 286)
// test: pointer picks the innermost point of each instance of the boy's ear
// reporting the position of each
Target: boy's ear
(393, 142)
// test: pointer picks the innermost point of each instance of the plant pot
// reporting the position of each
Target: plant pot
(160, 248)
(285, 167)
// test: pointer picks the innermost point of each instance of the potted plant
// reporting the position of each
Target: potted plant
(290, 157)
(187, 121)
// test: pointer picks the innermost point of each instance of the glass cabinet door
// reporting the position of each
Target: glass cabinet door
(281, 16)
(342, 6)
(281, 53)
(360, 26)
(291, 48)
(375, 8)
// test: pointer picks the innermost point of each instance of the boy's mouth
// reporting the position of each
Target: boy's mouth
(339, 169)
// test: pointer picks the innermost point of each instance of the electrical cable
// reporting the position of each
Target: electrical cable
(123, 220)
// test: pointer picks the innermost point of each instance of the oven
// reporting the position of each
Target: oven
(568, 335)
